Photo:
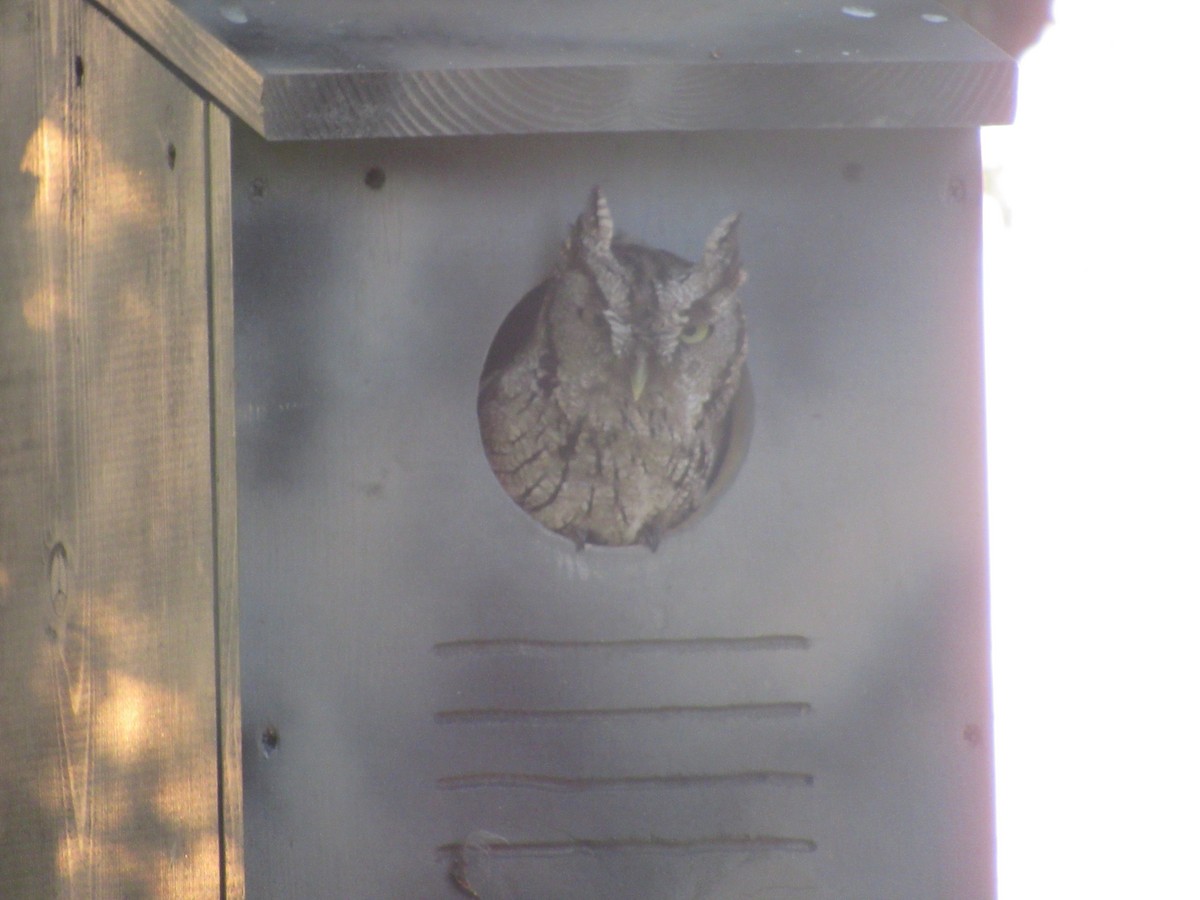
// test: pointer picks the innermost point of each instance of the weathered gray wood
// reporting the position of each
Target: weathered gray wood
(357, 68)
(440, 673)
(109, 562)
(220, 221)
(172, 32)
(29, 821)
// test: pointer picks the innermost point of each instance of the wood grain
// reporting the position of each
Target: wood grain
(112, 541)
(27, 727)
(357, 69)
(224, 453)
(197, 53)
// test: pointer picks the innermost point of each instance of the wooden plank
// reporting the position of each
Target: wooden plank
(229, 723)
(531, 100)
(27, 726)
(109, 676)
(198, 54)
(357, 68)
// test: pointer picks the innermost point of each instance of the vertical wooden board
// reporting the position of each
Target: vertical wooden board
(27, 826)
(113, 692)
(229, 699)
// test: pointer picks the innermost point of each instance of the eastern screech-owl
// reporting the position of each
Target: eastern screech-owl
(605, 401)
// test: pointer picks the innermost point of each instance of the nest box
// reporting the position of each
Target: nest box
(270, 623)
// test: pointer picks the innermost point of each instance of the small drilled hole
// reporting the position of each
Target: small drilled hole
(268, 741)
(375, 178)
(170, 156)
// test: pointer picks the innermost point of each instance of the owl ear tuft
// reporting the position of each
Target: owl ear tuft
(593, 232)
(590, 249)
(721, 260)
(719, 271)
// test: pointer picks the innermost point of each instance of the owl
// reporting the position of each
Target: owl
(605, 400)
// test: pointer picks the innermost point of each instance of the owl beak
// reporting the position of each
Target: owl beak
(641, 372)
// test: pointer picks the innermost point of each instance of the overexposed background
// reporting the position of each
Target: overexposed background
(1092, 303)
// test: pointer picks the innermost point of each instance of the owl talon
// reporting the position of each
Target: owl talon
(578, 536)
(650, 535)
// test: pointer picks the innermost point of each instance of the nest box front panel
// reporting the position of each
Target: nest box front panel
(667, 581)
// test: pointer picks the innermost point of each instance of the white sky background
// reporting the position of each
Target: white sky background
(1092, 302)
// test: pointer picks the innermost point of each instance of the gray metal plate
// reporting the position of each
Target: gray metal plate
(787, 699)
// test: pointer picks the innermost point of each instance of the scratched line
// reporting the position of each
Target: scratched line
(529, 647)
(502, 714)
(744, 843)
(529, 781)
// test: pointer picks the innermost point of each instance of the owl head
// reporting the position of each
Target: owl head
(666, 329)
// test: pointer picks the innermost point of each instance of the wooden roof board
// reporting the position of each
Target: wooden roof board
(308, 69)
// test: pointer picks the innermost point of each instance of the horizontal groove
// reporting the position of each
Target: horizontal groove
(530, 647)
(563, 784)
(727, 710)
(748, 843)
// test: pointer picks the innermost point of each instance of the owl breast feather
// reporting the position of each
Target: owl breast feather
(597, 469)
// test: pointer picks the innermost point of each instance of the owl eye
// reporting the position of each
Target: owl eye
(695, 332)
